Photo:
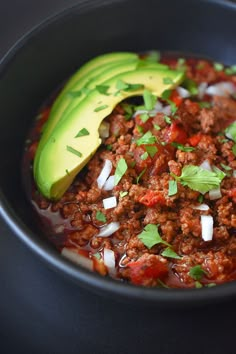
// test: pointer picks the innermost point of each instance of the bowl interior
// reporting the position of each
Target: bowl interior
(47, 56)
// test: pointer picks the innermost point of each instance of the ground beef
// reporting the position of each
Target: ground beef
(159, 239)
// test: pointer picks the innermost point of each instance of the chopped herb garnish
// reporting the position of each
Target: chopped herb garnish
(231, 70)
(123, 194)
(97, 255)
(150, 236)
(132, 164)
(67, 172)
(139, 129)
(82, 132)
(103, 89)
(129, 110)
(147, 138)
(149, 100)
(140, 175)
(200, 198)
(144, 156)
(225, 167)
(124, 86)
(121, 168)
(167, 81)
(191, 86)
(144, 117)
(151, 150)
(234, 149)
(173, 106)
(100, 108)
(230, 131)
(167, 119)
(100, 216)
(197, 272)
(181, 64)
(204, 104)
(157, 127)
(73, 151)
(173, 189)
(169, 253)
(74, 93)
(199, 179)
(163, 285)
(182, 147)
(109, 147)
(166, 94)
(153, 57)
(218, 66)
(210, 285)
(198, 285)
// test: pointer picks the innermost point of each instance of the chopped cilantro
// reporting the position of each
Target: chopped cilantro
(204, 104)
(182, 147)
(73, 151)
(199, 179)
(124, 86)
(231, 70)
(144, 156)
(147, 138)
(140, 176)
(210, 285)
(181, 64)
(151, 150)
(129, 110)
(82, 132)
(198, 285)
(121, 168)
(150, 236)
(139, 129)
(97, 255)
(230, 131)
(200, 198)
(153, 57)
(123, 194)
(173, 106)
(157, 127)
(144, 117)
(100, 216)
(173, 189)
(218, 66)
(191, 86)
(67, 172)
(103, 89)
(167, 81)
(109, 147)
(234, 149)
(100, 108)
(169, 253)
(149, 100)
(197, 272)
(225, 167)
(166, 94)
(167, 119)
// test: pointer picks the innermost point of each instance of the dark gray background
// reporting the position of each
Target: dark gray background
(40, 312)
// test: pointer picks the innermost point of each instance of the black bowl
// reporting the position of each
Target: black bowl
(49, 54)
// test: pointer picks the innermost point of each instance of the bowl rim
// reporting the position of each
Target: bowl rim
(92, 280)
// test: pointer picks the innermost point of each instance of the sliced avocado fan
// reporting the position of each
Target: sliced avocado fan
(66, 152)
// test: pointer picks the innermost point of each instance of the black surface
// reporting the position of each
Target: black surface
(41, 312)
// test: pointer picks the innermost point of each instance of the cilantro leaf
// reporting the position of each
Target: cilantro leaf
(167, 119)
(218, 66)
(100, 108)
(197, 272)
(167, 81)
(140, 176)
(149, 100)
(82, 132)
(153, 57)
(199, 179)
(151, 150)
(144, 117)
(230, 131)
(166, 94)
(121, 168)
(100, 216)
(147, 138)
(169, 253)
(144, 156)
(150, 236)
(103, 89)
(191, 86)
(182, 147)
(234, 149)
(123, 194)
(173, 189)
(73, 151)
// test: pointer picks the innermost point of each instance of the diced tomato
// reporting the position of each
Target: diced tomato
(143, 270)
(152, 198)
(175, 133)
(195, 139)
(176, 98)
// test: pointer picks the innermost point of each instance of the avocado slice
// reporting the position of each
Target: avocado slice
(54, 176)
(78, 81)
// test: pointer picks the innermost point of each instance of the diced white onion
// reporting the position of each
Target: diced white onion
(207, 227)
(234, 173)
(109, 203)
(215, 194)
(109, 229)
(77, 258)
(166, 110)
(106, 170)
(205, 165)
(158, 106)
(202, 89)
(104, 130)
(202, 207)
(183, 92)
(221, 89)
(109, 258)
(109, 184)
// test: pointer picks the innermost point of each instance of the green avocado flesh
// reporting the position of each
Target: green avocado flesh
(62, 155)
